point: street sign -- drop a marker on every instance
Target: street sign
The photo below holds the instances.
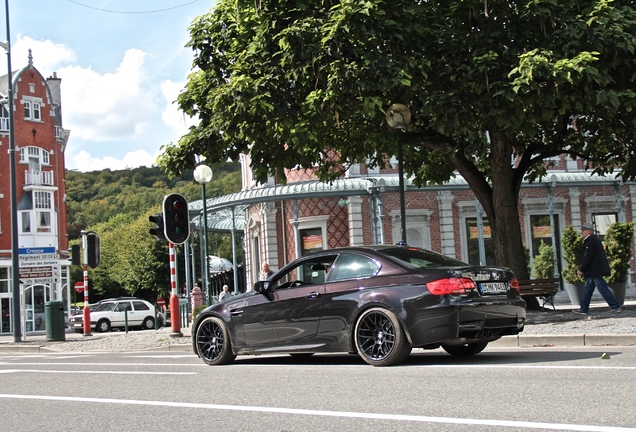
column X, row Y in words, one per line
column 41, row 272
column 161, row 302
column 79, row 286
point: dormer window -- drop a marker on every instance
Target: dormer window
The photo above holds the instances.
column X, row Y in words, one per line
column 32, row 110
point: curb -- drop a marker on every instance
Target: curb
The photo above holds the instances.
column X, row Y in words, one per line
column 581, row 340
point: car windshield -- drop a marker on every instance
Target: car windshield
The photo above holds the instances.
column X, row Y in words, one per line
column 420, row 258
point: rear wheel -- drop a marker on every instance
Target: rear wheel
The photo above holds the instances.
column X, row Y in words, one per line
column 465, row 350
column 148, row 324
column 379, row 338
column 213, row 343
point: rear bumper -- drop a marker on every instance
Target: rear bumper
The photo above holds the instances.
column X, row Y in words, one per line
column 463, row 323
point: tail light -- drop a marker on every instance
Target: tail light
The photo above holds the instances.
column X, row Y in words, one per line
column 453, row 285
column 514, row 284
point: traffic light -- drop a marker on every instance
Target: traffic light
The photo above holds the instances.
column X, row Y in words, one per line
column 76, row 256
column 175, row 218
column 158, row 229
column 93, row 249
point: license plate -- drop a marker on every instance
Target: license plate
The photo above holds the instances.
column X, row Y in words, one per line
column 494, row 287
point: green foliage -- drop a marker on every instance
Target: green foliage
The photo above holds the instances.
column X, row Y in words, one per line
column 307, row 83
column 116, row 205
column 572, row 249
column 618, row 247
column 197, row 310
column 543, row 262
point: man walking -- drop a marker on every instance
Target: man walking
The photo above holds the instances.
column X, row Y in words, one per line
column 594, row 266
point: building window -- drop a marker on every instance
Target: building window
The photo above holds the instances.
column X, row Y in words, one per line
column 472, row 242
column 602, row 221
column 26, row 222
column 44, row 221
column 541, row 231
column 32, row 111
column 35, row 157
column 42, row 200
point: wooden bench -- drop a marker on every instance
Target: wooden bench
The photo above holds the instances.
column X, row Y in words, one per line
column 544, row 289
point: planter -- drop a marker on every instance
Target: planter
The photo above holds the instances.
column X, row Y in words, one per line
column 619, row 291
column 575, row 292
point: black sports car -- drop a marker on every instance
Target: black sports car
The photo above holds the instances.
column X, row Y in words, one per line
column 377, row 301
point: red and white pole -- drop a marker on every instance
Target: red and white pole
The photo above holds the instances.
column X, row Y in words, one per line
column 175, row 313
column 87, row 309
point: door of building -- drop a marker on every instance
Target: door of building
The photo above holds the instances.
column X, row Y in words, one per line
column 35, row 297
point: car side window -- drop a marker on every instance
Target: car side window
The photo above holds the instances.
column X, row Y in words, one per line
column 123, row 306
column 353, row 266
column 138, row 305
column 313, row 271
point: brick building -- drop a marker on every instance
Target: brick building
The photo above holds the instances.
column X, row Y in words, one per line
column 39, row 141
column 281, row 222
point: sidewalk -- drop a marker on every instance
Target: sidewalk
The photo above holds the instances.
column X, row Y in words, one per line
column 546, row 328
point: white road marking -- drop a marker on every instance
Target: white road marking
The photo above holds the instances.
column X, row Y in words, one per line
column 343, row 414
column 92, row 372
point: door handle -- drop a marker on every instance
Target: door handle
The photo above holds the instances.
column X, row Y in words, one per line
column 313, row 295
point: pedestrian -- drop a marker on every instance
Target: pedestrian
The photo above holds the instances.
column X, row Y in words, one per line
column 594, row 266
column 225, row 294
column 265, row 272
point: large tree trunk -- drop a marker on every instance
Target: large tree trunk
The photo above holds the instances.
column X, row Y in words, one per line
column 499, row 199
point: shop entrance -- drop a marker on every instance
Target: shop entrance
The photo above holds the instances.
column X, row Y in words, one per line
column 35, row 297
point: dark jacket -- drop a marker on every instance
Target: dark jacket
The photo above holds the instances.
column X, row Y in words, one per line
column 594, row 261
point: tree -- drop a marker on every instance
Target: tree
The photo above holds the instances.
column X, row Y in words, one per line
column 495, row 89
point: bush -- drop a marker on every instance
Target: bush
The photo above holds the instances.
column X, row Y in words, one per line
column 197, row 310
column 543, row 262
column 618, row 247
column 572, row 250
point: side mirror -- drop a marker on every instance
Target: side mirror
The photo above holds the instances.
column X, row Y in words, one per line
column 261, row 286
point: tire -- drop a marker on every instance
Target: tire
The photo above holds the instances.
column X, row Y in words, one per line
column 103, row 326
column 79, row 331
column 380, row 339
column 213, row 342
column 465, row 350
column 148, row 324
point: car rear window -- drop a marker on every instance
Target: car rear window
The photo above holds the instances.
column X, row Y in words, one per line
column 420, row 258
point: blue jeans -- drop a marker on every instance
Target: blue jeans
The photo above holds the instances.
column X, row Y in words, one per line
column 608, row 295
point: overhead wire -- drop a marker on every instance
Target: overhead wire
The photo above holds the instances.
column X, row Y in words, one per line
column 132, row 12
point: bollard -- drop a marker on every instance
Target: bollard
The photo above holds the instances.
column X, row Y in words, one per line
column 126, row 320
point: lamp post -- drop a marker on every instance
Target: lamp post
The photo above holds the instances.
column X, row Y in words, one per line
column 398, row 116
column 202, row 175
column 15, row 263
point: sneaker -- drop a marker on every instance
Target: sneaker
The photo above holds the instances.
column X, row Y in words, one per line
column 617, row 310
column 579, row 311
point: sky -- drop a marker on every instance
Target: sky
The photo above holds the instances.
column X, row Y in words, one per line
column 122, row 64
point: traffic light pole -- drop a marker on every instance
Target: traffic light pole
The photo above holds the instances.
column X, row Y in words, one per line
column 87, row 309
column 175, row 313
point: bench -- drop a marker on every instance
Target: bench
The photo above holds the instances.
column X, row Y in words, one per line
column 545, row 289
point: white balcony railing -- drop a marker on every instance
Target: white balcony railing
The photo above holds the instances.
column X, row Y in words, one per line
column 33, row 177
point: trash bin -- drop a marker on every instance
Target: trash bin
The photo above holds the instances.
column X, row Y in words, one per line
column 54, row 321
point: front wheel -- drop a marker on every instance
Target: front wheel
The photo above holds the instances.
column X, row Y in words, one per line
column 213, row 342
column 465, row 350
column 379, row 338
column 103, row 326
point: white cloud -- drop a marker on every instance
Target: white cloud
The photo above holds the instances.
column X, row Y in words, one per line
column 47, row 55
column 83, row 161
column 104, row 107
column 172, row 117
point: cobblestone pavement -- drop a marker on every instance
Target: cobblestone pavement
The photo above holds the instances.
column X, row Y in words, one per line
column 546, row 327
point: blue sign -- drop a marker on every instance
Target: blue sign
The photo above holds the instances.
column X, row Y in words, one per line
column 36, row 250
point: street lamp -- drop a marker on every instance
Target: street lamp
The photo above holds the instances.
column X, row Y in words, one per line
column 202, row 175
column 15, row 263
column 398, row 116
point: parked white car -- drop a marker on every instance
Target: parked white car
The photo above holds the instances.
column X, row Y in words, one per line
column 113, row 313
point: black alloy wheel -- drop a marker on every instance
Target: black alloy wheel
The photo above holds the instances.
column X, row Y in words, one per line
column 379, row 338
column 212, row 342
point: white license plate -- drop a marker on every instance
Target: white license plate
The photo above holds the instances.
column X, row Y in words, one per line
column 494, row 287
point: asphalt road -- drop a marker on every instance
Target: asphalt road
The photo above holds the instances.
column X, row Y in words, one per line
column 502, row 389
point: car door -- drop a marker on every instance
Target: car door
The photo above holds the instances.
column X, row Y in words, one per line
column 289, row 311
column 122, row 312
